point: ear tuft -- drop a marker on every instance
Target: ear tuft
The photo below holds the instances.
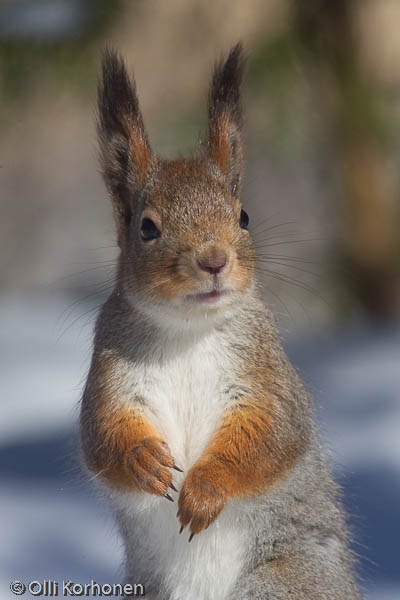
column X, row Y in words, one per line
column 225, row 117
column 125, row 153
column 117, row 100
column 225, row 86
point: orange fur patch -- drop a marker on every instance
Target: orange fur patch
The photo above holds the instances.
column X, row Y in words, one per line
column 140, row 152
column 243, row 458
column 220, row 150
column 128, row 453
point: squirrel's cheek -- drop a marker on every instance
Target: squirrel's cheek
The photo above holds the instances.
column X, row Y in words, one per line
column 241, row 277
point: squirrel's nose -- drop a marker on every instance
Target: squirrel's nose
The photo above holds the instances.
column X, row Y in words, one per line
column 213, row 261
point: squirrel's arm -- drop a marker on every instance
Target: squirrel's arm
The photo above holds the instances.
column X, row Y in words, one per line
column 255, row 445
column 121, row 447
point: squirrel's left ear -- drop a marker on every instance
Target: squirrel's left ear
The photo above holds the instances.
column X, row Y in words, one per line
column 225, row 118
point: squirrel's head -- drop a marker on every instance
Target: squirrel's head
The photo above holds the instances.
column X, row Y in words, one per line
column 182, row 231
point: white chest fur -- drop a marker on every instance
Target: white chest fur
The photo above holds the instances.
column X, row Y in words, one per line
column 184, row 399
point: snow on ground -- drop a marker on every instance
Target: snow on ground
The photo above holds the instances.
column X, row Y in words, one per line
column 54, row 525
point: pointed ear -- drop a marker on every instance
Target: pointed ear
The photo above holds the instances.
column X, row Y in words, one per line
column 225, row 118
column 125, row 154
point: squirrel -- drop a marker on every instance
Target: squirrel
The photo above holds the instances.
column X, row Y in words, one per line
column 192, row 417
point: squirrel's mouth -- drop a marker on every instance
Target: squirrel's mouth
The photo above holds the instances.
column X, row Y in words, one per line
column 211, row 297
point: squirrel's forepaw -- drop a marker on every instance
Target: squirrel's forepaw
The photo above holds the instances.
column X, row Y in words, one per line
column 149, row 464
column 201, row 499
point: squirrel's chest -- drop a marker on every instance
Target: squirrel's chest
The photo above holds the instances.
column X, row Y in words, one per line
column 185, row 399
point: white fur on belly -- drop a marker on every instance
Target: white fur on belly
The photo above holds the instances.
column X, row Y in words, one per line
column 159, row 556
column 184, row 400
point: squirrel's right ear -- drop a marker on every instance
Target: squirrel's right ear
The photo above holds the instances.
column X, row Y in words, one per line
column 125, row 153
column 224, row 144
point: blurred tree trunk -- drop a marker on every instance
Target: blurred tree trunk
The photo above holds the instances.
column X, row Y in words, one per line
column 363, row 153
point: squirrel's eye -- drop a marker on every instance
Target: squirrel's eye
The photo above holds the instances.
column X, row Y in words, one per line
column 149, row 230
column 244, row 219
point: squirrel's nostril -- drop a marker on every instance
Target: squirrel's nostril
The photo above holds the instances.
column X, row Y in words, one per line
column 213, row 262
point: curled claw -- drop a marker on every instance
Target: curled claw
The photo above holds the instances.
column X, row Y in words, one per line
column 177, row 468
column 168, row 497
column 171, row 485
column 191, row 536
column 181, row 529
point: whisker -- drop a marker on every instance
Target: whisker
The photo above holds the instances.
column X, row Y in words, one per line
column 275, row 294
column 255, row 231
column 91, row 310
column 289, row 259
column 287, row 266
column 266, row 219
column 83, row 272
column 298, row 241
column 300, row 284
column 296, row 300
column 68, row 311
column 114, row 247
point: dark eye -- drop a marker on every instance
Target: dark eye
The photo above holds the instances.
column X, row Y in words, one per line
column 149, row 230
column 244, row 219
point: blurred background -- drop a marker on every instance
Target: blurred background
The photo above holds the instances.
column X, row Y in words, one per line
column 322, row 99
